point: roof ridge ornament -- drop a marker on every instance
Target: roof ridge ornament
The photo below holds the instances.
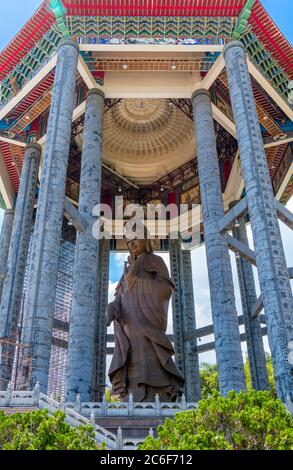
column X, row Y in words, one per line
column 243, row 19
column 60, row 12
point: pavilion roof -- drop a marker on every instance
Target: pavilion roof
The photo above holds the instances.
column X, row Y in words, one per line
column 261, row 23
column 43, row 21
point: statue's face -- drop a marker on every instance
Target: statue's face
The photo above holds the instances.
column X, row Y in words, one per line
column 136, row 246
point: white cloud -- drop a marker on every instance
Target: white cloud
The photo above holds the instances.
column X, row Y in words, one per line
column 112, row 287
column 120, row 258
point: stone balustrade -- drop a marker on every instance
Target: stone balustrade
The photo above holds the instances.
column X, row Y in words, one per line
column 81, row 413
column 87, row 409
column 35, row 399
column 130, row 408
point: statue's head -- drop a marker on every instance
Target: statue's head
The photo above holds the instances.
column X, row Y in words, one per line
column 137, row 247
column 140, row 244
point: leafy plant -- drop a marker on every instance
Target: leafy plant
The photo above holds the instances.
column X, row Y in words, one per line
column 240, row 421
column 37, row 430
column 209, row 378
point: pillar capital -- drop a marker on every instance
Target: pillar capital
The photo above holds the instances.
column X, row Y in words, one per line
column 9, row 212
column 201, row 91
column 233, row 44
column 95, row 91
column 37, row 147
column 68, row 42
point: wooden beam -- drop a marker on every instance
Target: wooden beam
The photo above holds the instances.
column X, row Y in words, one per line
column 86, row 74
column 285, row 182
column 211, row 346
column 224, row 121
column 265, row 84
column 6, row 187
column 153, row 48
column 240, row 248
column 72, row 214
column 278, row 142
column 12, row 141
column 213, row 73
column 28, row 87
column 257, row 307
column 284, row 215
column 238, row 211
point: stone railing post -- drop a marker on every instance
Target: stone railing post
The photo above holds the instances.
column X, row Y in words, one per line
column 36, row 398
column 93, row 419
column 8, row 394
column 130, row 405
column 183, row 403
column 104, row 406
column 62, row 404
column 119, row 439
column 157, row 406
column 77, row 403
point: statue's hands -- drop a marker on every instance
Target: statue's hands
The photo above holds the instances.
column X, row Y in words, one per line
column 113, row 312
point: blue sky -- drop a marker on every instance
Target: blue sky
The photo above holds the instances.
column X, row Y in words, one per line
column 15, row 13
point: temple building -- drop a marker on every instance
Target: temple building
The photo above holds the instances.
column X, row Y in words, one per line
column 172, row 102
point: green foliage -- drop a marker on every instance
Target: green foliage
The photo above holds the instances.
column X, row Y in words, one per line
column 37, row 430
column 110, row 398
column 209, row 378
column 243, row 421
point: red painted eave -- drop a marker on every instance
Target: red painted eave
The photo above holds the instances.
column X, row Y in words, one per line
column 11, row 168
column 272, row 38
column 42, row 20
column 27, row 37
column 154, row 7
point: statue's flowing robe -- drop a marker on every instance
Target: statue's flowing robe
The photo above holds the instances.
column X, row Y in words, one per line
column 142, row 360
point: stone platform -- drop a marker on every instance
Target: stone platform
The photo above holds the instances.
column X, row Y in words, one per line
column 132, row 427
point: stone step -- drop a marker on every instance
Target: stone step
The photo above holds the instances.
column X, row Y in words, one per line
column 14, row 409
column 131, row 427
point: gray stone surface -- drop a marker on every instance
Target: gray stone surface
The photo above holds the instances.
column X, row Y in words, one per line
column 177, row 302
column 184, row 323
column 73, row 216
column 192, row 378
column 4, row 244
column 241, row 248
column 40, row 299
column 227, row 339
column 16, row 264
column 270, row 258
column 101, row 322
column 255, row 348
column 82, row 347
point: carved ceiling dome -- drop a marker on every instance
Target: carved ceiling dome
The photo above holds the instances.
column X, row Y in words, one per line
column 145, row 131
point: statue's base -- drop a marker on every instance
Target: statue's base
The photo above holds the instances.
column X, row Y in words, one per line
column 132, row 427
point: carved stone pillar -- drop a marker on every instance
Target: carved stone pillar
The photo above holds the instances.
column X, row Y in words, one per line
column 82, row 346
column 226, row 330
column 40, row 298
column 269, row 252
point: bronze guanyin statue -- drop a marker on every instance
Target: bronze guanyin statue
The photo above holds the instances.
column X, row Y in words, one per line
column 142, row 363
